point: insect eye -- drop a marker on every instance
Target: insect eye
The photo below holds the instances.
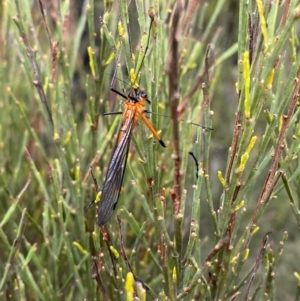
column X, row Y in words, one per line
column 144, row 95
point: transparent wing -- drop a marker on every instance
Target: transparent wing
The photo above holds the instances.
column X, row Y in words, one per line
column 115, row 173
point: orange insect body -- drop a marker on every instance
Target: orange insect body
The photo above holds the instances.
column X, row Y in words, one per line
column 134, row 110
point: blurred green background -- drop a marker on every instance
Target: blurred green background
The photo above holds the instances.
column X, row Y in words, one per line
column 46, row 169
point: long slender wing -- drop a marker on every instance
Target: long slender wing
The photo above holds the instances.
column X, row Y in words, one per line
column 115, row 173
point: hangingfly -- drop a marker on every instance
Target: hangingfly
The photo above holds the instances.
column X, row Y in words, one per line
column 134, row 109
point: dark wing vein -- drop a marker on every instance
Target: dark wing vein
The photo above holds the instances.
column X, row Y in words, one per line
column 114, row 176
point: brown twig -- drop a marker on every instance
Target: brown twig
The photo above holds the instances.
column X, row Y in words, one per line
column 53, row 44
column 162, row 248
column 232, row 298
column 233, row 148
column 107, row 240
column 96, row 275
column 232, row 220
column 37, row 79
column 217, row 248
column 172, row 71
column 206, row 103
column 94, row 161
column 197, row 84
column 191, row 9
column 253, row 28
column 287, row 5
column 271, row 179
column 188, row 96
column 123, row 253
column 257, row 263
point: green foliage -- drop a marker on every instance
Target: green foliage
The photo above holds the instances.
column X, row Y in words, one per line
column 174, row 236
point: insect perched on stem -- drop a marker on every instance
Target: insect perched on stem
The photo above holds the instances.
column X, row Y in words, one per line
column 134, row 110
